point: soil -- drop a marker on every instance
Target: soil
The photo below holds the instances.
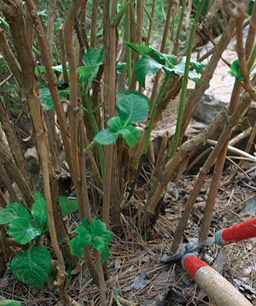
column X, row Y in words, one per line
column 135, row 268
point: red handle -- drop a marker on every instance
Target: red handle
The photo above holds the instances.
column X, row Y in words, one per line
column 212, row 283
column 191, row 263
column 241, row 231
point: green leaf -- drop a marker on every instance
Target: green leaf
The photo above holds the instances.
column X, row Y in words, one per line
column 92, row 60
column 197, row 66
column 20, row 225
column 32, row 266
column 93, row 56
column 23, row 231
column 141, row 49
column 88, row 73
column 39, row 70
column 120, row 67
column 145, row 50
column 170, row 59
column 63, row 93
column 67, row 206
column 131, row 135
column 82, row 240
column 132, row 106
column 205, row 8
column 159, row 57
column 193, row 76
column 10, row 303
column 12, row 212
column 115, row 124
column 250, row 7
column 96, row 234
column 101, row 238
column 179, row 69
column 39, row 211
column 118, row 127
column 106, row 137
column 152, row 61
column 145, row 66
column 236, row 71
column 46, row 97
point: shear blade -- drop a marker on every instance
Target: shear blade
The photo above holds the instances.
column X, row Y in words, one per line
column 167, row 259
column 191, row 247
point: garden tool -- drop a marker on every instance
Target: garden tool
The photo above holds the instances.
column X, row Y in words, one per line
column 209, row 280
column 241, row 231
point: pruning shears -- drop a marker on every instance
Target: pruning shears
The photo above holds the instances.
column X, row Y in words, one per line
column 222, row 292
column 241, row 231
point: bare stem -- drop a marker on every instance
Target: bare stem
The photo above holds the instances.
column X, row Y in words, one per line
column 231, row 122
column 51, row 79
column 94, row 23
column 73, row 106
column 177, row 39
column 14, row 144
column 176, row 139
column 235, row 100
column 151, row 20
column 109, row 97
column 194, row 99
